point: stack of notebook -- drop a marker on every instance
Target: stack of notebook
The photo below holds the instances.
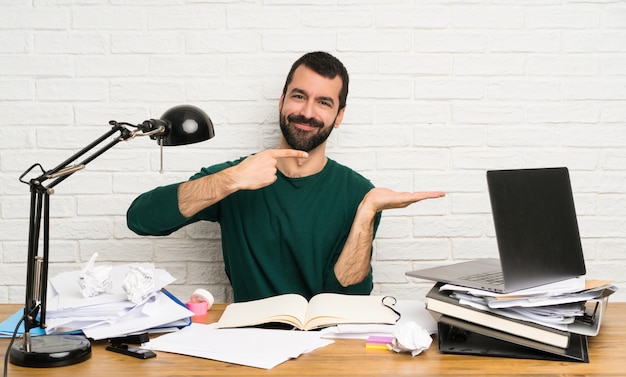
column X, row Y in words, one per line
column 539, row 245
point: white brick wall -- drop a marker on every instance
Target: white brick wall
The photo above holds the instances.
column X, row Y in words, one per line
column 441, row 91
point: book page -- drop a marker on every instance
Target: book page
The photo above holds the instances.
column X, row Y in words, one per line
column 328, row 309
column 289, row 309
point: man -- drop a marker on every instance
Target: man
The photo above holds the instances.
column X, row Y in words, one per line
column 292, row 220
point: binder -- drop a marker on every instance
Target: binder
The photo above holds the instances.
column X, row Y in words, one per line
column 456, row 336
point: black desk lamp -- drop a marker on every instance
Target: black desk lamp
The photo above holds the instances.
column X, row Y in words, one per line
column 178, row 126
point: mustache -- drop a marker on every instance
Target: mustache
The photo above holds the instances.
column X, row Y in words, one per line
column 301, row 119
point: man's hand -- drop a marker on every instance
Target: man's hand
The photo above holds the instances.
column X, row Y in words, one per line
column 379, row 199
column 259, row 170
column 252, row 173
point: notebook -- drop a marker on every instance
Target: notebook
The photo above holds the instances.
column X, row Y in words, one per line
column 536, row 231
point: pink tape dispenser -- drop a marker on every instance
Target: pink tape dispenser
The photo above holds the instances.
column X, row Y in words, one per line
column 200, row 302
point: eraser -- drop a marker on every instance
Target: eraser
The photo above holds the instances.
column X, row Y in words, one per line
column 198, row 308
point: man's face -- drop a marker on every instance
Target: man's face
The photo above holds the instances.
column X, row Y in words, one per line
column 309, row 110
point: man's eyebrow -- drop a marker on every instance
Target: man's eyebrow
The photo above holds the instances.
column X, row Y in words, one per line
column 327, row 99
column 321, row 98
column 298, row 90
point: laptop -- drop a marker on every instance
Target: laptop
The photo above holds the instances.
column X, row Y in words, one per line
column 536, row 230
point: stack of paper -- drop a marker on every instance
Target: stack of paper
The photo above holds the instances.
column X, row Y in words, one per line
column 109, row 315
column 548, row 305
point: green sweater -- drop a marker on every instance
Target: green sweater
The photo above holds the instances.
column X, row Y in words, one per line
column 283, row 238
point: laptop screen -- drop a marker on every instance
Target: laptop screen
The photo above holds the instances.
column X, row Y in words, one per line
column 536, row 225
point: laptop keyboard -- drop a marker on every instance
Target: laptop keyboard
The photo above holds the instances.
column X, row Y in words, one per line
column 494, row 277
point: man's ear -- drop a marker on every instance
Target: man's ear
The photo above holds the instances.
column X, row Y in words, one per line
column 339, row 117
column 280, row 102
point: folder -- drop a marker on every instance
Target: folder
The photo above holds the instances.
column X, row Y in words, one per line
column 7, row 327
column 456, row 336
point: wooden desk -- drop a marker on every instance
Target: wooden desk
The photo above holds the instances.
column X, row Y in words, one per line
column 349, row 357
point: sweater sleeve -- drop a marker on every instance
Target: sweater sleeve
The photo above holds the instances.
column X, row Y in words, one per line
column 156, row 213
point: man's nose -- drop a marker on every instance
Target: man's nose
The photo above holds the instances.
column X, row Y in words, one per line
column 308, row 110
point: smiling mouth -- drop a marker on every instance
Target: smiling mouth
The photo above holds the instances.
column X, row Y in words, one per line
column 304, row 126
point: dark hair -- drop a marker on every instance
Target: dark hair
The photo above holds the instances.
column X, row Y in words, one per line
column 325, row 65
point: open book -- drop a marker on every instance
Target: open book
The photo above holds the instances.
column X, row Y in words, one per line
column 323, row 310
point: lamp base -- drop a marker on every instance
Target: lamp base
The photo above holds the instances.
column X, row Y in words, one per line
column 48, row 351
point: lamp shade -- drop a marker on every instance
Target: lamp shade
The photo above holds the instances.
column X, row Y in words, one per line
column 186, row 125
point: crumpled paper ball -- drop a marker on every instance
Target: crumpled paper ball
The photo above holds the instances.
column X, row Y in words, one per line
column 139, row 284
column 410, row 337
column 94, row 280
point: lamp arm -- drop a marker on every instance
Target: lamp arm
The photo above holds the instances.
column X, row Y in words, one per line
column 64, row 169
column 37, row 266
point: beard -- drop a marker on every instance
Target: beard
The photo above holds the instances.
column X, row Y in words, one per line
column 304, row 140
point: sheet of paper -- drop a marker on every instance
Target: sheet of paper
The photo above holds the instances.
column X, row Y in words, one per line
column 109, row 310
column 153, row 313
column 260, row 348
column 560, row 287
column 415, row 311
column 542, row 300
column 356, row 331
